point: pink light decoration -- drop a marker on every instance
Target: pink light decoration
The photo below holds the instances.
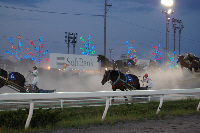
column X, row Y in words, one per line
column 30, row 53
column 42, row 46
column 47, row 59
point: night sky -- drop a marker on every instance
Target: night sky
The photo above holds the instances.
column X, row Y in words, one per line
column 126, row 20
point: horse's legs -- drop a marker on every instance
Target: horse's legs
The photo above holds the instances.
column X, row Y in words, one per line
column 126, row 99
column 113, row 90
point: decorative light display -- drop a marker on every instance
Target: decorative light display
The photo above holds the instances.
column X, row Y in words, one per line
column 172, row 62
column 157, row 54
column 88, row 50
column 38, row 57
column 130, row 50
column 17, row 54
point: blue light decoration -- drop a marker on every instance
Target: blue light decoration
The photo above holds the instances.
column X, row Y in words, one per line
column 129, row 64
column 17, row 55
column 172, row 63
column 157, row 54
column 88, row 50
column 38, row 57
column 130, row 50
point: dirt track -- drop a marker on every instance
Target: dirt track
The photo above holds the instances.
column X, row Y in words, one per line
column 170, row 124
column 184, row 124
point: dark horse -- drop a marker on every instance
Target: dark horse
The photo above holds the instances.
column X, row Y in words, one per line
column 18, row 80
column 121, row 81
column 104, row 61
column 124, row 66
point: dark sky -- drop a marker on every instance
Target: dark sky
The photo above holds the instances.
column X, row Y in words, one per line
column 126, row 20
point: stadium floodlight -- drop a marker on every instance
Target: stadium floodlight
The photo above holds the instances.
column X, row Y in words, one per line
column 167, row 3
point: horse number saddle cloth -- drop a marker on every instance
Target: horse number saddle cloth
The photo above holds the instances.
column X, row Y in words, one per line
column 11, row 76
column 128, row 77
column 129, row 63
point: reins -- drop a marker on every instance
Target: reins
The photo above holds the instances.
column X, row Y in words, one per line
column 119, row 79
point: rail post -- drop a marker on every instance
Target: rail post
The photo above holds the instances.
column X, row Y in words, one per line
column 61, row 103
column 160, row 105
column 198, row 107
column 106, row 108
column 30, row 114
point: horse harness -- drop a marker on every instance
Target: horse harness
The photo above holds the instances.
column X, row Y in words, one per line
column 10, row 76
column 11, row 83
column 127, row 85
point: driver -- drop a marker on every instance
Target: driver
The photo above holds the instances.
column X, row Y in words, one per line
column 148, row 81
column 35, row 80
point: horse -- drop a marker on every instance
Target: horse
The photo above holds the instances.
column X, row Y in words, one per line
column 7, row 78
column 190, row 57
column 193, row 60
column 121, row 81
column 188, row 62
column 104, row 61
column 183, row 63
column 124, row 66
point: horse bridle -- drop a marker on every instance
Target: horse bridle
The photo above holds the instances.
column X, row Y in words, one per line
column 108, row 77
column 118, row 78
column 121, row 80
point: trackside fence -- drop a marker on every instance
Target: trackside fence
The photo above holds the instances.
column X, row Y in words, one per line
column 101, row 98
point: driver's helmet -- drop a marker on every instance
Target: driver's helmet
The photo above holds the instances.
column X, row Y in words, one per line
column 35, row 67
column 146, row 74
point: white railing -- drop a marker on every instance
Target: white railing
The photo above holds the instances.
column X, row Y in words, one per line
column 107, row 95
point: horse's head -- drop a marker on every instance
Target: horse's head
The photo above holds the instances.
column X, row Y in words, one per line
column 106, row 77
column 100, row 58
column 180, row 58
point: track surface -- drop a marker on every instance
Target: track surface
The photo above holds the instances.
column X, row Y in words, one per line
column 170, row 124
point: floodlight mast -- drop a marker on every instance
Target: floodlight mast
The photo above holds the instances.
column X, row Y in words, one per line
column 168, row 4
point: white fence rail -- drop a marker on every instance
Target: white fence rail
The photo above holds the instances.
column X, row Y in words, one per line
column 107, row 95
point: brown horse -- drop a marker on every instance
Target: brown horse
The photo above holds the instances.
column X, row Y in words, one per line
column 188, row 63
column 121, row 81
column 18, row 81
column 193, row 60
column 183, row 63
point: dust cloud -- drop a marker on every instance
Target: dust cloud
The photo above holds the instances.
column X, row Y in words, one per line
column 177, row 78
column 83, row 82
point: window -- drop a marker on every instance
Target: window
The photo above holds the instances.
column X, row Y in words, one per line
column 60, row 58
column 58, row 63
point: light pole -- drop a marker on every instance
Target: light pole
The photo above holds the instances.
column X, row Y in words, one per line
column 71, row 38
column 168, row 4
column 105, row 26
column 110, row 52
column 180, row 28
column 174, row 27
